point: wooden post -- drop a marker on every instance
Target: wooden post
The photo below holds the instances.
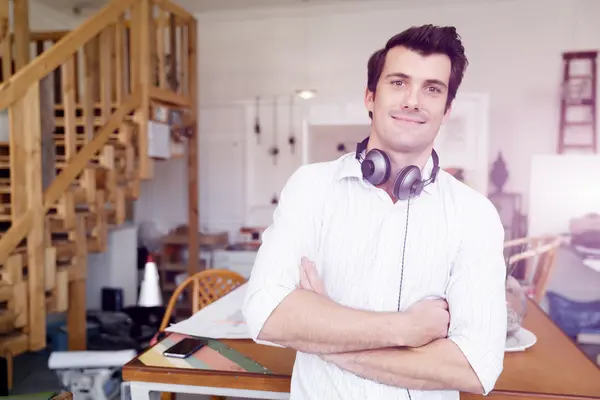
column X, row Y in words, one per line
column 26, row 163
column 76, row 324
column 192, row 161
column 5, row 45
column 145, row 79
column 48, row 122
column 21, row 29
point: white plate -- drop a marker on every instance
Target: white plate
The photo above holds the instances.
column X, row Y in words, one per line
column 520, row 341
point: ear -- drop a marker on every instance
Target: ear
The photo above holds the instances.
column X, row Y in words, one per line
column 369, row 98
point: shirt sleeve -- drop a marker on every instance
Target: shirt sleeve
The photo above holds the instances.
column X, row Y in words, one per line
column 476, row 294
column 292, row 234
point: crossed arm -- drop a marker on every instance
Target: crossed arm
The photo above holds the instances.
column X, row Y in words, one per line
column 439, row 365
column 375, row 346
column 285, row 307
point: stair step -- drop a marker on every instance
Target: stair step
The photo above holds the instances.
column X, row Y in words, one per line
column 80, row 139
column 5, row 186
column 5, row 215
column 79, row 121
column 62, row 165
column 78, row 106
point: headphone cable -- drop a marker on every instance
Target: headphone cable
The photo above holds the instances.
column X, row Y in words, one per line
column 402, row 266
column 403, row 253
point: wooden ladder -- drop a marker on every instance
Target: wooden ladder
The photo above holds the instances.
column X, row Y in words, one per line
column 577, row 129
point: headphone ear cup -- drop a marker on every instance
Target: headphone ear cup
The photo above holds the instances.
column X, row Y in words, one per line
column 408, row 182
column 376, row 167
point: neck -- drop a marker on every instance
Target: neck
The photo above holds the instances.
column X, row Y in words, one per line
column 399, row 160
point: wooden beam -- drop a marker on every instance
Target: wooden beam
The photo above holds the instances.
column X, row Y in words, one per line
column 35, row 238
column 192, row 159
column 5, row 42
column 43, row 36
column 17, row 85
column 69, row 94
column 18, row 160
column 120, row 65
column 169, row 97
column 47, row 36
column 21, row 29
column 4, row 20
column 145, row 77
column 76, row 325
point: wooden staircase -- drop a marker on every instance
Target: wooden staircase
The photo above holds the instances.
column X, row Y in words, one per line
column 79, row 113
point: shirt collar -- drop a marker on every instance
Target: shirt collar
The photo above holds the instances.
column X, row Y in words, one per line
column 350, row 168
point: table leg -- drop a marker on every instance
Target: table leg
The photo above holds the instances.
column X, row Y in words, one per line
column 139, row 391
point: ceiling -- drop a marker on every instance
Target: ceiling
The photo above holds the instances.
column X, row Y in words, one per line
column 194, row 6
column 214, row 5
column 200, row 6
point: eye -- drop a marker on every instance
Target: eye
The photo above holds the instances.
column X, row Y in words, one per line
column 398, row 82
column 433, row 90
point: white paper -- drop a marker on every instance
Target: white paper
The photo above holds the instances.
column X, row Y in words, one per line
column 222, row 319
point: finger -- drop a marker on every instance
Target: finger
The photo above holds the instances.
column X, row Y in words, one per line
column 435, row 303
column 304, row 282
column 305, row 261
column 315, row 280
column 439, row 303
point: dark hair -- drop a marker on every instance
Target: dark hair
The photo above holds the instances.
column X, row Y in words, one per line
column 426, row 40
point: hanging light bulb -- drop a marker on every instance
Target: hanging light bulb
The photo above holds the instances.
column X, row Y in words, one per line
column 306, row 93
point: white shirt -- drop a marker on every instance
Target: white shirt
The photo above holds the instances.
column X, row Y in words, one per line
column 354, row 233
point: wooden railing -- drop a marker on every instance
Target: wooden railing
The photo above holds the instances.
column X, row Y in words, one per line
column 111, row 72
column 39, row 42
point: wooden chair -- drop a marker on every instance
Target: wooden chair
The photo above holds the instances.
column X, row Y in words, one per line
column 522, row 252
column 540, row 256
column 207, row 287
column 63, row 396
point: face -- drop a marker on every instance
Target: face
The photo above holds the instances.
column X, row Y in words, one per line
column 410, row 101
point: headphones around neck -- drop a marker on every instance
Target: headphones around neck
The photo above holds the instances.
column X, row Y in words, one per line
column 376, row 168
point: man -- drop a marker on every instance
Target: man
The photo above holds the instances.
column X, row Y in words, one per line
column 387, row 291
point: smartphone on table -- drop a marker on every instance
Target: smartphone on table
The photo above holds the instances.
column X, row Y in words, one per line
column 185, row 348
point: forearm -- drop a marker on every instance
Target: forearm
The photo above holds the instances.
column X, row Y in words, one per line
column 439, row 365
column 312, row 323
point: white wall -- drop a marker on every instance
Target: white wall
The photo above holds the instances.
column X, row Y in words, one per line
column 42, row 17
column 514, row 48
column 562, row 188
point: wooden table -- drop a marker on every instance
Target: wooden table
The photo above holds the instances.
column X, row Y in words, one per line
column 553, row 368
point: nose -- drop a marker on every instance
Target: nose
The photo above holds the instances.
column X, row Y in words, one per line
column 411, row 100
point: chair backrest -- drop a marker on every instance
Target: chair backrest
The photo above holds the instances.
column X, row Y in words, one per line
column 540, row 256
column 207, row 287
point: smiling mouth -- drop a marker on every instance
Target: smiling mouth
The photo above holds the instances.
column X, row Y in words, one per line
column 409, row 120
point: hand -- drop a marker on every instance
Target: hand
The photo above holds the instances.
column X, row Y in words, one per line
column 429, row 320
column 310, row 279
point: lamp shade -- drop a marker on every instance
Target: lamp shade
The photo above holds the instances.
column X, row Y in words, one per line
column 150, row 294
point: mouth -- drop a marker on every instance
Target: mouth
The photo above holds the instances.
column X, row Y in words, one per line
column 408, row 120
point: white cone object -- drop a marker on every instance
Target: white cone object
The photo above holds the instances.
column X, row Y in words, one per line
column 150, row 294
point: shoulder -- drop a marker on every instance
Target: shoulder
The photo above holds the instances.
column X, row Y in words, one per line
column 473, row 208
column 307, row 188
column 315, row 177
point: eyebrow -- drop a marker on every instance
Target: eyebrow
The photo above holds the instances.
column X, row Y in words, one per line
column 427, row 81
